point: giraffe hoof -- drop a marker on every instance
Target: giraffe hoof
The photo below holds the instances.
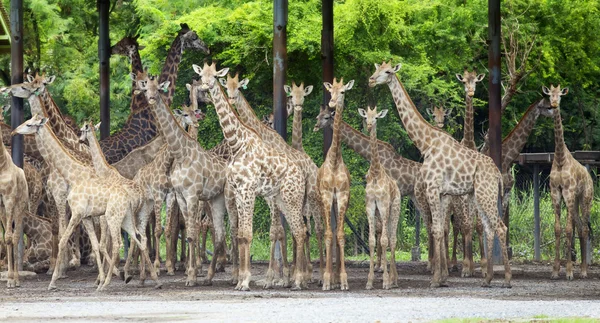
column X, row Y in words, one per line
column 170, row 273
column 506, row 285
column 583, row 275
column 52, row 287
column 369, row 286
column 190, row 283
column 158, row 286
column 435, row 285
column 454, row 269
column 570, row 277
column 11, row 284
column 295, row 288
column 554, row 276
column 207, row 282
column 128, row 279
column 486, row 284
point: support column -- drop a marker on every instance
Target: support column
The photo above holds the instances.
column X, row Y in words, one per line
column 16, row 110
column 495, row 132
column 104, row 56
column 536, row 213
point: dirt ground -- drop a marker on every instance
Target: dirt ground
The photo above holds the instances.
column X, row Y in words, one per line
column 533, row 294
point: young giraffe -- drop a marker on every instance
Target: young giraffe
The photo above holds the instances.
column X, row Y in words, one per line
column 570, row 181
column 382, row 194
column 141, row 126
column 196, row 175
column 333, row 185
column 296, row 96
column 312, row 206
column 89, row 196
column 14, row 195
column 439, row 115
column 449, row 169
column 142, row 204
column 257, row 168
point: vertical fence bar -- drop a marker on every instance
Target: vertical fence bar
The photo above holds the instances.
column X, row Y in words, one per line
column 16, row 110
column 536, row 212
column 104, row 57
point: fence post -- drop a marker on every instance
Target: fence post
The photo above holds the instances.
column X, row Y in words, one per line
column 416, row 250
column 536, row 211
column 589, row 239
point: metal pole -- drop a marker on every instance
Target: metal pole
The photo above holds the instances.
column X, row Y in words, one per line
column 495, row 132
column 416, row 249
column 280, row 17
column 16, row 110
column 589, row 239
column 327, row 67
column 536, row 212
column 104, row 56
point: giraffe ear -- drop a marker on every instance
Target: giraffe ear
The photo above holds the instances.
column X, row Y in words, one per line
column 141, row 47
column 308, row 90
column 243, row 83
column 460, row 77
column 164, row 86
column 377, row 66
column 397, row 67
column 564, row 91
column 545, row 90
column 382, row 114
column 429, row 112
column 480, row 77
column 137, row 92
column 133, row 76
column 188, row 86
column 178, row 112
column 448, row 112
column 29, row 78
column 328, row 86
column 50, row 79
column 197, row 69
column 349, row 85
column 222, row 72
column 362, row 112
column 223, row 82
column 97, row 126
column 43, row 121
column 287, row 89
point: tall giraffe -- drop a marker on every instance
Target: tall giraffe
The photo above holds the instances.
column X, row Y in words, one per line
column 296, row 96
column 141, row 126
column 196, row 175
column 90, row 196
column 449, row 169
column 333, row 185
column 382, row 195
column 14, row 203
column 257, row 168
column 312, row 206
column 570, row 181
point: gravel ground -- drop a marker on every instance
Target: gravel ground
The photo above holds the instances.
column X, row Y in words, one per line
column 532, row 294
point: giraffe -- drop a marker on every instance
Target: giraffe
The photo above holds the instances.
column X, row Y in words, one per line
column 256, row 168
column 448, row 169
column 141, row 125
column 89, row 196
column 333, row 185
column 296, row 96
column 382, row 194
column 439, row 115
column 569, row 180
column 309, row 169
column 196, row 175
column 13, row 205
column 139, row 157
column 134, row 191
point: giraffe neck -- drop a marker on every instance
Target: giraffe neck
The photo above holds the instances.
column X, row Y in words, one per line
column 335, row 154
column 176, row 138
column 56, row 121
column 560, row 149
column 171, row 68
column 469, row 131
column 246, row 114
column 137, row 101
column 234, row 132
column 192, row 131
column 101, row 167
column 375, row 163
column 53, row 152
column 419, row 130
column 517, row 138
column 4, row 155
column 297, row 130
column 355, row 140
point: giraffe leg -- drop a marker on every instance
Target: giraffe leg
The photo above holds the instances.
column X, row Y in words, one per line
column 570, row 201
column 327, row 199
column 190, row 212
column 484, row 260
column 62, row 247
column 217, row 210
column 290, row 202
column 466, row 227
column 385, row 216
column 170, row 234
column 395, row 213
column 158, row 230
column 89, row 227
column 378, row 226
column 371, row 205
column 586, row 205
column 437, row 228
column 274, row 233
column 115, row 230
column 556, row 199
column 317, row 215
column 232, row 212
column 245, row 198
column 342, row 202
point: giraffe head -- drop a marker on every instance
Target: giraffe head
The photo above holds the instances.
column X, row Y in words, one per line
column 324, row 119
column 555, row 93
column 149, row 86
column 383, row 73
column 31, row 126
column 87, row 129
column 439, row 115
column 232, row 86
column 269, row 120
column 126, row 46
column 189, row 116
column 4, row 109
column 209, row 74
column 190, row 39
column 33, row 86
column 196, row 94
column 371, row 116
column 338, row 91
column 297, row 94
column 470, row 80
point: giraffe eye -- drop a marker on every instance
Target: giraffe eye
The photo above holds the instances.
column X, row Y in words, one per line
column 388, row 72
